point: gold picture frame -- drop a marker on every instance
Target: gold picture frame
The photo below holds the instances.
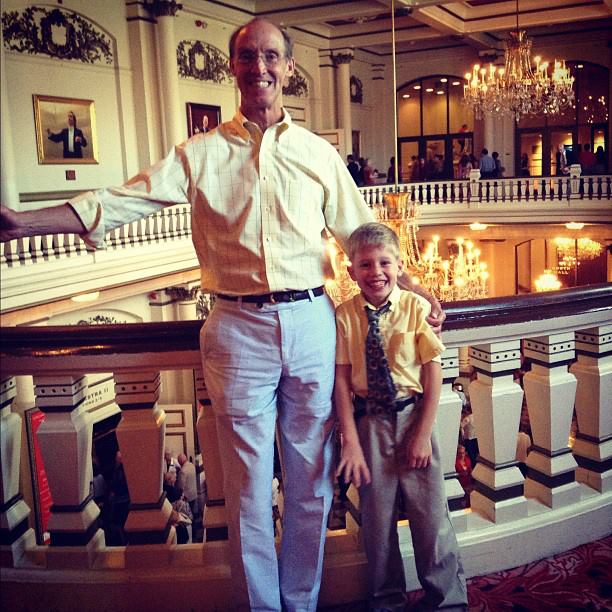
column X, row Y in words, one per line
column 56, row 143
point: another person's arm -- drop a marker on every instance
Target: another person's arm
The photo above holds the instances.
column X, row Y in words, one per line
column 352, row 462
column 418, row 450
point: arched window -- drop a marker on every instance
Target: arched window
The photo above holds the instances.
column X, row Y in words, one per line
column 434, row 127
column 586, row 122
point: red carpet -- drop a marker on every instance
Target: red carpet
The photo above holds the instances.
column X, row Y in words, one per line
column 579, row 579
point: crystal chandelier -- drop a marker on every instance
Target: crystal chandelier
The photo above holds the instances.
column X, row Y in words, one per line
column 461, row 277
column 517, row 89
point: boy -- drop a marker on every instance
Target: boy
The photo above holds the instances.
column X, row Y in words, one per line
column 388, row 435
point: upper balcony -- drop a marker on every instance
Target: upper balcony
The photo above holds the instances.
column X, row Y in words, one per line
column 61, row 266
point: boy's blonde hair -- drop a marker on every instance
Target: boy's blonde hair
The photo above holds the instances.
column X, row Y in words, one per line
column 373, row 234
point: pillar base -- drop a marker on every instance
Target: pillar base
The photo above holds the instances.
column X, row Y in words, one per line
column 504, row 511
column 214, row 520
column 601, row 482
column 75, row 527
column 148, row 525
column 139, row 556
column 76, row 557
column 11, row 555
column 555, row 498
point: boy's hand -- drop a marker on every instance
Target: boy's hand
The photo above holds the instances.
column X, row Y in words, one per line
column 353, row 465
column 418, row 452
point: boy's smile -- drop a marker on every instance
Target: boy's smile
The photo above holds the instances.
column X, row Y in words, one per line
column 375, row 269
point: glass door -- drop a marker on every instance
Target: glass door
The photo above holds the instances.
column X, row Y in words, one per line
column 560, row 145
column 410, row 166
column 530, row 154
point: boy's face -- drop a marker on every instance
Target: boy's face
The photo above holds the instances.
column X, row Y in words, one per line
column 375, row 269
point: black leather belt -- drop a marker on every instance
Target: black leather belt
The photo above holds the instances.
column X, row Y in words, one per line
column 275, row 297
column 364, row 406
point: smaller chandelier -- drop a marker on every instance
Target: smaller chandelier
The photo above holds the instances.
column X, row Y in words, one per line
column 570, row 252
column 517, row 89
column 547, row 281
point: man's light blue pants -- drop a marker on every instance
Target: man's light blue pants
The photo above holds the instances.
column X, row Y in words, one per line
column 262, row 363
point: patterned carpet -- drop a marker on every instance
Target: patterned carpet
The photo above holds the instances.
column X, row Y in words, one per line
column 579, row 579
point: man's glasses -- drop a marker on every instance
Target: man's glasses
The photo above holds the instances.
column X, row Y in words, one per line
column 269, row 58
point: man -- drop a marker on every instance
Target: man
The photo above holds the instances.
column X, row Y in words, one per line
column 353, row 168
column 263, row 192
column 187, row 481
column 72, row 138
column 487, row 165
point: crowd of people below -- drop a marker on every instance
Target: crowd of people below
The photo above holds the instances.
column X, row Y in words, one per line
column 434, row 167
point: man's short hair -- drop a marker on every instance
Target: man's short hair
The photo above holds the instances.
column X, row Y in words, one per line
column 286, row 37
column 373, row 235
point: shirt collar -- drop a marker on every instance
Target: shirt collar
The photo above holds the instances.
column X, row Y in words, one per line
column 394, row 298
column 244, row 127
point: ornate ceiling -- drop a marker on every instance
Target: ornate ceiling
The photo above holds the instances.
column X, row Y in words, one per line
column 428, row 24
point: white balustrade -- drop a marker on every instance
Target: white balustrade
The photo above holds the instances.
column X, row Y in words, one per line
column 550, row 391
column 593, row 371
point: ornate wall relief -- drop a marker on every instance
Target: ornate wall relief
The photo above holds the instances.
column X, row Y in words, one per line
column 297, row 85
column 199, row 60
column 56, row 33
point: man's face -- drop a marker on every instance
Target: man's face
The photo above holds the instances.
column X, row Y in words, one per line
column 375, row 269
column 260, row 67
column 70, row 119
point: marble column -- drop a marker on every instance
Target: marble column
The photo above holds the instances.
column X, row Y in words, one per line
column 15, row 533
column 174, row 116
column 327, row 107
column 65, row 440
column 550, row 391
column 496, row 405
column 448, row 421
column 342, row 60
column 593, row 370
column 214, row 518
column 141, row 441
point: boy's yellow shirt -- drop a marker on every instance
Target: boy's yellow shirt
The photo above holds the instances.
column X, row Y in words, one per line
column 408, row 340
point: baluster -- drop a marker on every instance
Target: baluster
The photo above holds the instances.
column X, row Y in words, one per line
column 214, row 519
column 36, row 246
column 15, row 534
column 496, row 404
column 141, row 435
column 550, row 391
column 65, row 440
column 448, row 419
column 574, row 182
column 23, row 248
column 133, row 233
column 593, row 445
column 11, row 252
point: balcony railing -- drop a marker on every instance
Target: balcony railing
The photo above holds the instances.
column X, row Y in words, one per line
column 61, row 266
column 552, row 352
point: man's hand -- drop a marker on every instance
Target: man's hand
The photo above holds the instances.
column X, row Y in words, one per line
column 59, row 219
column 436, row 316
column 9, row 224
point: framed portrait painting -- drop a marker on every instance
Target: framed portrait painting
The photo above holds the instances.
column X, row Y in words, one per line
column 202, row 118
column 65, row 130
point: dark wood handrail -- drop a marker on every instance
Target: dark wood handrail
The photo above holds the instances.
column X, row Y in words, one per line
column 131, row 338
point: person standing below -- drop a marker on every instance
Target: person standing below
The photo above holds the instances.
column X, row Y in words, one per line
column 353, row 168
column 72, row 138
column 587, row 159
column 386, row 357
column 487, row 165
column 499, row 169
column 187, row 482
column 368, row 173
column 260, row 247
